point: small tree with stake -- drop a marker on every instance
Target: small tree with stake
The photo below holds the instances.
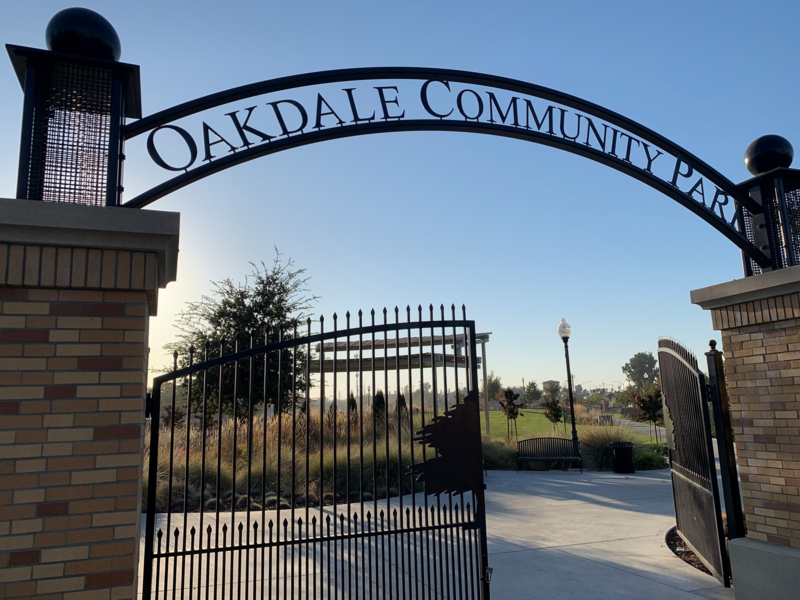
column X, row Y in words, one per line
column 511, row 410
column 648, row 400
column 553, row 411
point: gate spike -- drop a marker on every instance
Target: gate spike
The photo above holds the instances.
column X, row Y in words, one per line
column 255, row 525
column 322, row 318
column 209, row 530
column 453, row 309
column 241, row 527
column 175, row 359
column 373, row 313
column 441, row 309
column 464, row 311
column 384, row 313
column 430, row 309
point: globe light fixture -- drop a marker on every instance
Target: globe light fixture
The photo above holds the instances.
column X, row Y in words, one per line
column 564, row 329
column 564, row 332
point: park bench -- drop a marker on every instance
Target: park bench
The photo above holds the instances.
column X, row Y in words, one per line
column 548, row 450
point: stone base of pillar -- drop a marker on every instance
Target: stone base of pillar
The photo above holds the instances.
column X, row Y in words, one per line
column 77, row 285
column 762, row 570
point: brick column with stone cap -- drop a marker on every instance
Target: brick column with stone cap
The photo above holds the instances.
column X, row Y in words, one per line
column 759, row 321
column 77, row 285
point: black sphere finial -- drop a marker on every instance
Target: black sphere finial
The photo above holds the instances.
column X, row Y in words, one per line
column 713, row 344
column 768, row 152
column 83, row 32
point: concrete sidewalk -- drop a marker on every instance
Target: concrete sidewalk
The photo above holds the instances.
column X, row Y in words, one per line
column 555, row 534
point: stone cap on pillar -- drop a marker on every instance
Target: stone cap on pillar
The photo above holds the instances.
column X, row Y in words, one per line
column 769, row 297
column 75, row 246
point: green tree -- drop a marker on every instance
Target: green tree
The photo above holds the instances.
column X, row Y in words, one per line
column 594, row 400
column 511, row 410
column 648, row 400
column 273, row 300
column 532, row 395
column 379, row 413
column 402, row 408
column 552, row 390
column 553, row 411
column 622, row 398
column 493, row 384
column 641, row 364
column 352, row 405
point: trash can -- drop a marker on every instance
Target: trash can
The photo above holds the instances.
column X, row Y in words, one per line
column 623, row 457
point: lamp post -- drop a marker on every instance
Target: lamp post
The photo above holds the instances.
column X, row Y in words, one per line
column 564, row 331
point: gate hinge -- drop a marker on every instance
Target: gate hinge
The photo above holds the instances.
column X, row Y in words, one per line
column 148, row 407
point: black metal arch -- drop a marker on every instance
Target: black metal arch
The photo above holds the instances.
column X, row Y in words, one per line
column 414, row 73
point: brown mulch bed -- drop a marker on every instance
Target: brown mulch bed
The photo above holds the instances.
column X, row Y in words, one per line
column 682, row 551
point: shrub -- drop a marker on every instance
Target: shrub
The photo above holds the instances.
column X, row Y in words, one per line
column 596, row 441
column 646, row 461
column 500, row 455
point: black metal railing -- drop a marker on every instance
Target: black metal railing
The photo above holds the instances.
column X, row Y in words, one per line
column 265, row 482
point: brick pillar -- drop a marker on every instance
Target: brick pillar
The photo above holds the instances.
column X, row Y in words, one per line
column 77, row 285
column 759, row 322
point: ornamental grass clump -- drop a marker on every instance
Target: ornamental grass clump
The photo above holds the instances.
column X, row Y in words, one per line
column 596, row 441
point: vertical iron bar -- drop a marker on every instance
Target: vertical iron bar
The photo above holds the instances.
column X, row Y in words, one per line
column 224, row 556
column 308, row 438
column 412, row 458
column 251, row 375
column 219, row 470
column 186, row 471
column 239, row 564
column 727, row 456
column 208, row 563
column 174, row 568
column 255, row 557
column 278, row 497
column 335, row 453
column 203, row 422
column 480, row 501
column 152, row 483
column 115, row 144
column 321, row 491
column 285, row 556
column 269, row 564
column 386, row 444
column 349, row 421
column 459, row 540
column 265, row 397
column 23, row 171
column 397, row 550
column 293, row 500
column 234, row 446
column 169, row 474
column 788, row 240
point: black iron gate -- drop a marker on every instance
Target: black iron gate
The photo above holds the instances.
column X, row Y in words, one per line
column 691, row 453
column 335, row 464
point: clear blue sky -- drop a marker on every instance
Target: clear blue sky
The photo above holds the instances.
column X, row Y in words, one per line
column 522, row 234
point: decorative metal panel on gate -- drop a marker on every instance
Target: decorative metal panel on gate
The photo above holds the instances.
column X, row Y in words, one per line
column 341, row 463
column 691, row 457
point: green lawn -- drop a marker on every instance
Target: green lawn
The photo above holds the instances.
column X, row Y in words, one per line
column 532, row 423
